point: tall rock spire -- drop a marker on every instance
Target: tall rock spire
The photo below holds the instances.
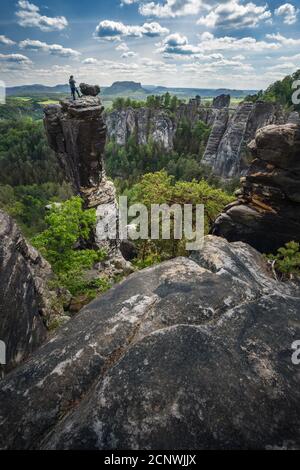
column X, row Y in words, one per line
column 77, row 133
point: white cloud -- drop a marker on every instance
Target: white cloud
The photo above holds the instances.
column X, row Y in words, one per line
column 284, row 41
column 112, row 30
column 211, row 43
column 29, row 16
column 122, row 47
column 171, row 8
column 284, row 67
column 128, row 2
column 129, row 55
column 90, row 61
column 15, row 59
column 234, row 15
column 295, row 57
column 53, row 49
column 289, row 13
column 6, row 41
column 179, row 45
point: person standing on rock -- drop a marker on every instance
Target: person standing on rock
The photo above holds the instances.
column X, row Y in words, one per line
column 73, row 87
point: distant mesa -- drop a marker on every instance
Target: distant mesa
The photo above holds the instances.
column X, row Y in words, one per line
column 89, row 90
column 124, row 88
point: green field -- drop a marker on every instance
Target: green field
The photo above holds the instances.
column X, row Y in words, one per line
column 46, row 102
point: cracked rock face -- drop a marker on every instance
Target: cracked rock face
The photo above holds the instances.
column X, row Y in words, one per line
column 232, row 129
column 77, row 134
column 267, row 212
column 159, row 362
column 226, row 148
column 26, row 304
column 144, row 124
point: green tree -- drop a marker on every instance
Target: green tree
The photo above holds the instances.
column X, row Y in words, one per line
column 160, row 188
column 67, row 225
column 287, row 260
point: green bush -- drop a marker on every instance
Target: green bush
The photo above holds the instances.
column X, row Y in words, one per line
column 287, row 260
column 160, row 188
column 68, row 224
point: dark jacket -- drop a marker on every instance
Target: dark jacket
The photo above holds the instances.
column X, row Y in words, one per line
column 72, row 83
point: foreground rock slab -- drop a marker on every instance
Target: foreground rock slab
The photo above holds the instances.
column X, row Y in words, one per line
column 267, row 212
column 191, row 354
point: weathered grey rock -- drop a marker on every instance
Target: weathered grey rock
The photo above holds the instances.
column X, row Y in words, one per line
column 218, row 130
column 222, row 101
column 232, row 129
column 160, row 363
column 89, row 90
column 226, row 150
column 267, row 212
column 294, row 118
column 143, row 124
column 27, row 305
column 77, row 133
column 146, row 124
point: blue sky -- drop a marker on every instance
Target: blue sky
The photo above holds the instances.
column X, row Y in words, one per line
column 201, row 43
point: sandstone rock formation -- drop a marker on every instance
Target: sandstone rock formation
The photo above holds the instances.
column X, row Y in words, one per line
column 143, row 124
column 77, row 133
column 225, row 152
column 27, row 305
column 267, row 212
column 159, row 362
column 222, row 101
column 232, row 129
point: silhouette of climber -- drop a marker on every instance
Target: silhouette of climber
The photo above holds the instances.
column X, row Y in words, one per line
column 73, row 87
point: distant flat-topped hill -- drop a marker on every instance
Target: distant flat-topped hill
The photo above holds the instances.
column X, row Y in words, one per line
column 124, row 88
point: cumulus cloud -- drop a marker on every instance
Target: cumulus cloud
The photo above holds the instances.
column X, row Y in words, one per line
column 29, row 16
column 122, row 47
column 289, row 13
column 234, row 15
column 129, row 55
column 284, row 41
column 53, row 49
column 6, row 41
column 171, row 8
column 15, row 59
column 113, row 30
column 90, row 61
column 179, row 44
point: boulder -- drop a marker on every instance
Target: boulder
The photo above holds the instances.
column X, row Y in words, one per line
column 267, row 212
column 27, row 305
column 159, row 362
column 89, row 90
